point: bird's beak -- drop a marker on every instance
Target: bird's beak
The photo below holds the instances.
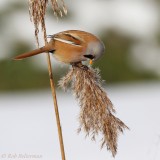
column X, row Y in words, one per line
column 91, row 62
column 90, row 57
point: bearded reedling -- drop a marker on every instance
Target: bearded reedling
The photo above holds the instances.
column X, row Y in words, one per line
column 96, row 109
column 70, row 47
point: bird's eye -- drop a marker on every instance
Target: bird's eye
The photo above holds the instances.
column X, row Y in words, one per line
column 90, row 56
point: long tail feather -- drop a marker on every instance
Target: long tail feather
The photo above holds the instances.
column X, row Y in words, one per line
column 31, row 53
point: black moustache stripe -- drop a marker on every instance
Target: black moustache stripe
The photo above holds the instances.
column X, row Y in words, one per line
column 90, row 56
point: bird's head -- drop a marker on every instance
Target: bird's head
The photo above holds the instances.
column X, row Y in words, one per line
column 94, row 51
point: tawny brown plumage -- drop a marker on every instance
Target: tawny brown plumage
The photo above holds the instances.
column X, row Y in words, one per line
column 70, row 46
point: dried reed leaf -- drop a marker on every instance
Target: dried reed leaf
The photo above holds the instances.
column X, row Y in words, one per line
column 37, row 11
column 96, row 109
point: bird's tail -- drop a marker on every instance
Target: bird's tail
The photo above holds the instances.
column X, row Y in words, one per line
column 32, row 53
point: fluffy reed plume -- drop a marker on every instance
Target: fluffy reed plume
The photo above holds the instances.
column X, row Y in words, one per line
column 96, row 109
column 37, row 11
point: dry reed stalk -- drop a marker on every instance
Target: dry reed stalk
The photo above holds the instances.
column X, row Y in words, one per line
column 37, row 11
column 96, row 109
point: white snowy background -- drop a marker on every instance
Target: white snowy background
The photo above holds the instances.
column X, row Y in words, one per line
column 28, row 126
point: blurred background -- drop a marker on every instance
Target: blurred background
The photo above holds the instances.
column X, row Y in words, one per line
column 130, row 67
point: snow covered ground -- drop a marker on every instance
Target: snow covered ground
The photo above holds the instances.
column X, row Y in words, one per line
column 28, row 127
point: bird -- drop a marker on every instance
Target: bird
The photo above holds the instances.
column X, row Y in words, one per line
column 70, row 46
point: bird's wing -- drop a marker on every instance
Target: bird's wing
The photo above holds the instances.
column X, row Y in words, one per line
column 68, row 38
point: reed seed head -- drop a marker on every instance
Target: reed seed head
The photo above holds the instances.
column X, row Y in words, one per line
column 96, row 110
column 37, row 11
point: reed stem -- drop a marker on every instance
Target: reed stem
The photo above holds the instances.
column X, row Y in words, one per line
column 56, row 107
column 37, row 11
